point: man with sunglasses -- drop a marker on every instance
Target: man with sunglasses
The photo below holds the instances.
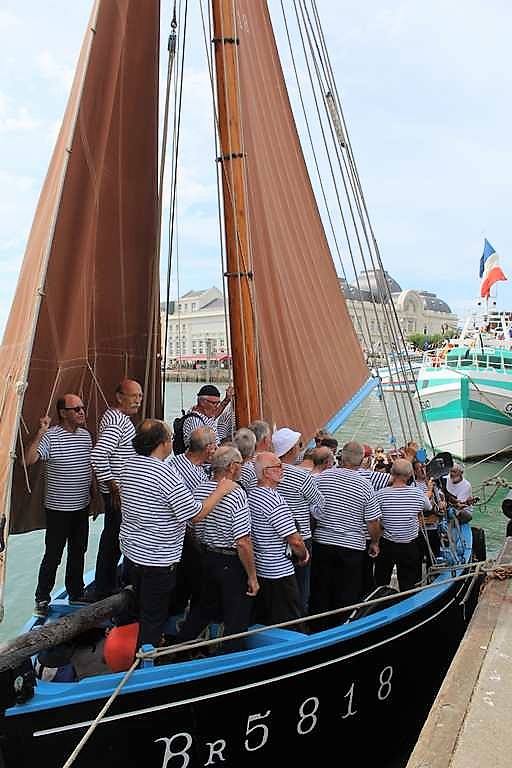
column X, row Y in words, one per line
column 65, row 450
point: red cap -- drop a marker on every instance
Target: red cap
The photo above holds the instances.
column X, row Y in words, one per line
column 120, row 647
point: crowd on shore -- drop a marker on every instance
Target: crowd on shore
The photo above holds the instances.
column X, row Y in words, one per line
column 231, row 526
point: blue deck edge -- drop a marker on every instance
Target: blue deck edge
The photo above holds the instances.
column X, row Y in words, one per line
column 362, row 393
column 51, row 695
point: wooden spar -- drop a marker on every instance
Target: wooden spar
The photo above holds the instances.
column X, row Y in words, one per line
column 49, row 635
column 239, row 274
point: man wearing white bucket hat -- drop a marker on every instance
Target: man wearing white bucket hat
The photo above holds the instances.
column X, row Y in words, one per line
column 300, row 491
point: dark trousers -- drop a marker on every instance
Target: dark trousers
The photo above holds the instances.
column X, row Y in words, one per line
column 278, row 600
column 223, row 597
column 336, row 581
column 71, row 528
column 189, row 576
column 303, row 576
column 152, row 587
column 406, row 557
column 105, row 579
column 368, row 572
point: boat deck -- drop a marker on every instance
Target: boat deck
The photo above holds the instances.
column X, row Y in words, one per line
column 469, row 723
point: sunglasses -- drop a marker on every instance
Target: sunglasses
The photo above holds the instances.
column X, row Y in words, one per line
column 75, row 408
column 274, row 466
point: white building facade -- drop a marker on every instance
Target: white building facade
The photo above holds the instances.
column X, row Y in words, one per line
column 196, row 326
column 197, row 323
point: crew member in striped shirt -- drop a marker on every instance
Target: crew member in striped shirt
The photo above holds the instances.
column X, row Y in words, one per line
column 230, row 579
column 275, row 539
column 300, row 491
column 113, row 448
column 323, row 458
column 245, row 441
column 401, row 504
column 206, row 411
column 156, row 506
column 65, row 450
column 339, row 535
column 263, row 435
column 191, row 468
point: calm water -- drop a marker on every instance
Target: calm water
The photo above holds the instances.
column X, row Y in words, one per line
column 367, row 425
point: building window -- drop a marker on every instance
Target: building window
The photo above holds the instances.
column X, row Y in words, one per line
column 194, row 307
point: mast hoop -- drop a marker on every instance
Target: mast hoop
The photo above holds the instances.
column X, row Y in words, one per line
column 226, row 40
column 231, row 156
column 250, row 275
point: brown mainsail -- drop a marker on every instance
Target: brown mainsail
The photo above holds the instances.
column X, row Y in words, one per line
column 83, row 316
column 310, row 358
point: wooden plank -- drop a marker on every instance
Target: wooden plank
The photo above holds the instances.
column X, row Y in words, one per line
column 440, row 735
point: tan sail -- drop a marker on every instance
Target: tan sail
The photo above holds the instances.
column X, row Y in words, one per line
column 83, row 315
column 311, row 360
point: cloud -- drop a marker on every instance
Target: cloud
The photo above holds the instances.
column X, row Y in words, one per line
column 8, row 20
column 15, row 119
column 52, row 70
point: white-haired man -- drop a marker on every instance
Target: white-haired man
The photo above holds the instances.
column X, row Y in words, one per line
column 273, row 528
column 229, row 578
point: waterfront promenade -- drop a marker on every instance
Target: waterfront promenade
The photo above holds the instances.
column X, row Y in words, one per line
column 469, row 723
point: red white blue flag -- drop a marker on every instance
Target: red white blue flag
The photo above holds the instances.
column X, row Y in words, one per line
column 490, row 270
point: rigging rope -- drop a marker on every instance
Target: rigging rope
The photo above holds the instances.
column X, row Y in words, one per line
column 388, row 309
column 405, row 426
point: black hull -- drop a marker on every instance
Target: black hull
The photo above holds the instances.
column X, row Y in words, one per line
column 364, row 695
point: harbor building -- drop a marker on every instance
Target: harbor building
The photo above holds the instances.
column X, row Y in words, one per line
column 197, row 326
column 417, row 311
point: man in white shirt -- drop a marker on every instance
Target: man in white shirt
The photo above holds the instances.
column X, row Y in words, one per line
column 460, row 489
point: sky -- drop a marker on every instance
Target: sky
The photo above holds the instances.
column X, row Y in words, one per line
column 425, row 89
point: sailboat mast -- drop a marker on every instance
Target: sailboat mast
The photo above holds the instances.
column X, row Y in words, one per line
column 238, row 267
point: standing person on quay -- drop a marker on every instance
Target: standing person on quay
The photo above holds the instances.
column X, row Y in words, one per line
column 273, row 528
column 229, row 579
column 300, row 491
column 401, row 505
column 65, row 451
column 339, row 536
column 156, row 506
column 113, row 449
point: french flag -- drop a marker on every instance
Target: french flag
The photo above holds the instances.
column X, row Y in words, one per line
column 490, row 270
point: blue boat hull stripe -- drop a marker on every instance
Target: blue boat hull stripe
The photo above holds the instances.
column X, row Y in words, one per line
column 193, row 700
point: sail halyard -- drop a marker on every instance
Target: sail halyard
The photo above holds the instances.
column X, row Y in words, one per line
column 79, row 319
column 239, row 273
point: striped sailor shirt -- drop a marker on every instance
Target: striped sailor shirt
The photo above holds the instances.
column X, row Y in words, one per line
column 196, row 421
column 248, row 479
column 226, row 423
column 113, row 448
column 400, row 506
column 228, row 521
column 378, row 480
column 155, row 506
column 350, row 503
column 300, row 491
column 271, row 524
column 191, row 474
column 67, row 459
